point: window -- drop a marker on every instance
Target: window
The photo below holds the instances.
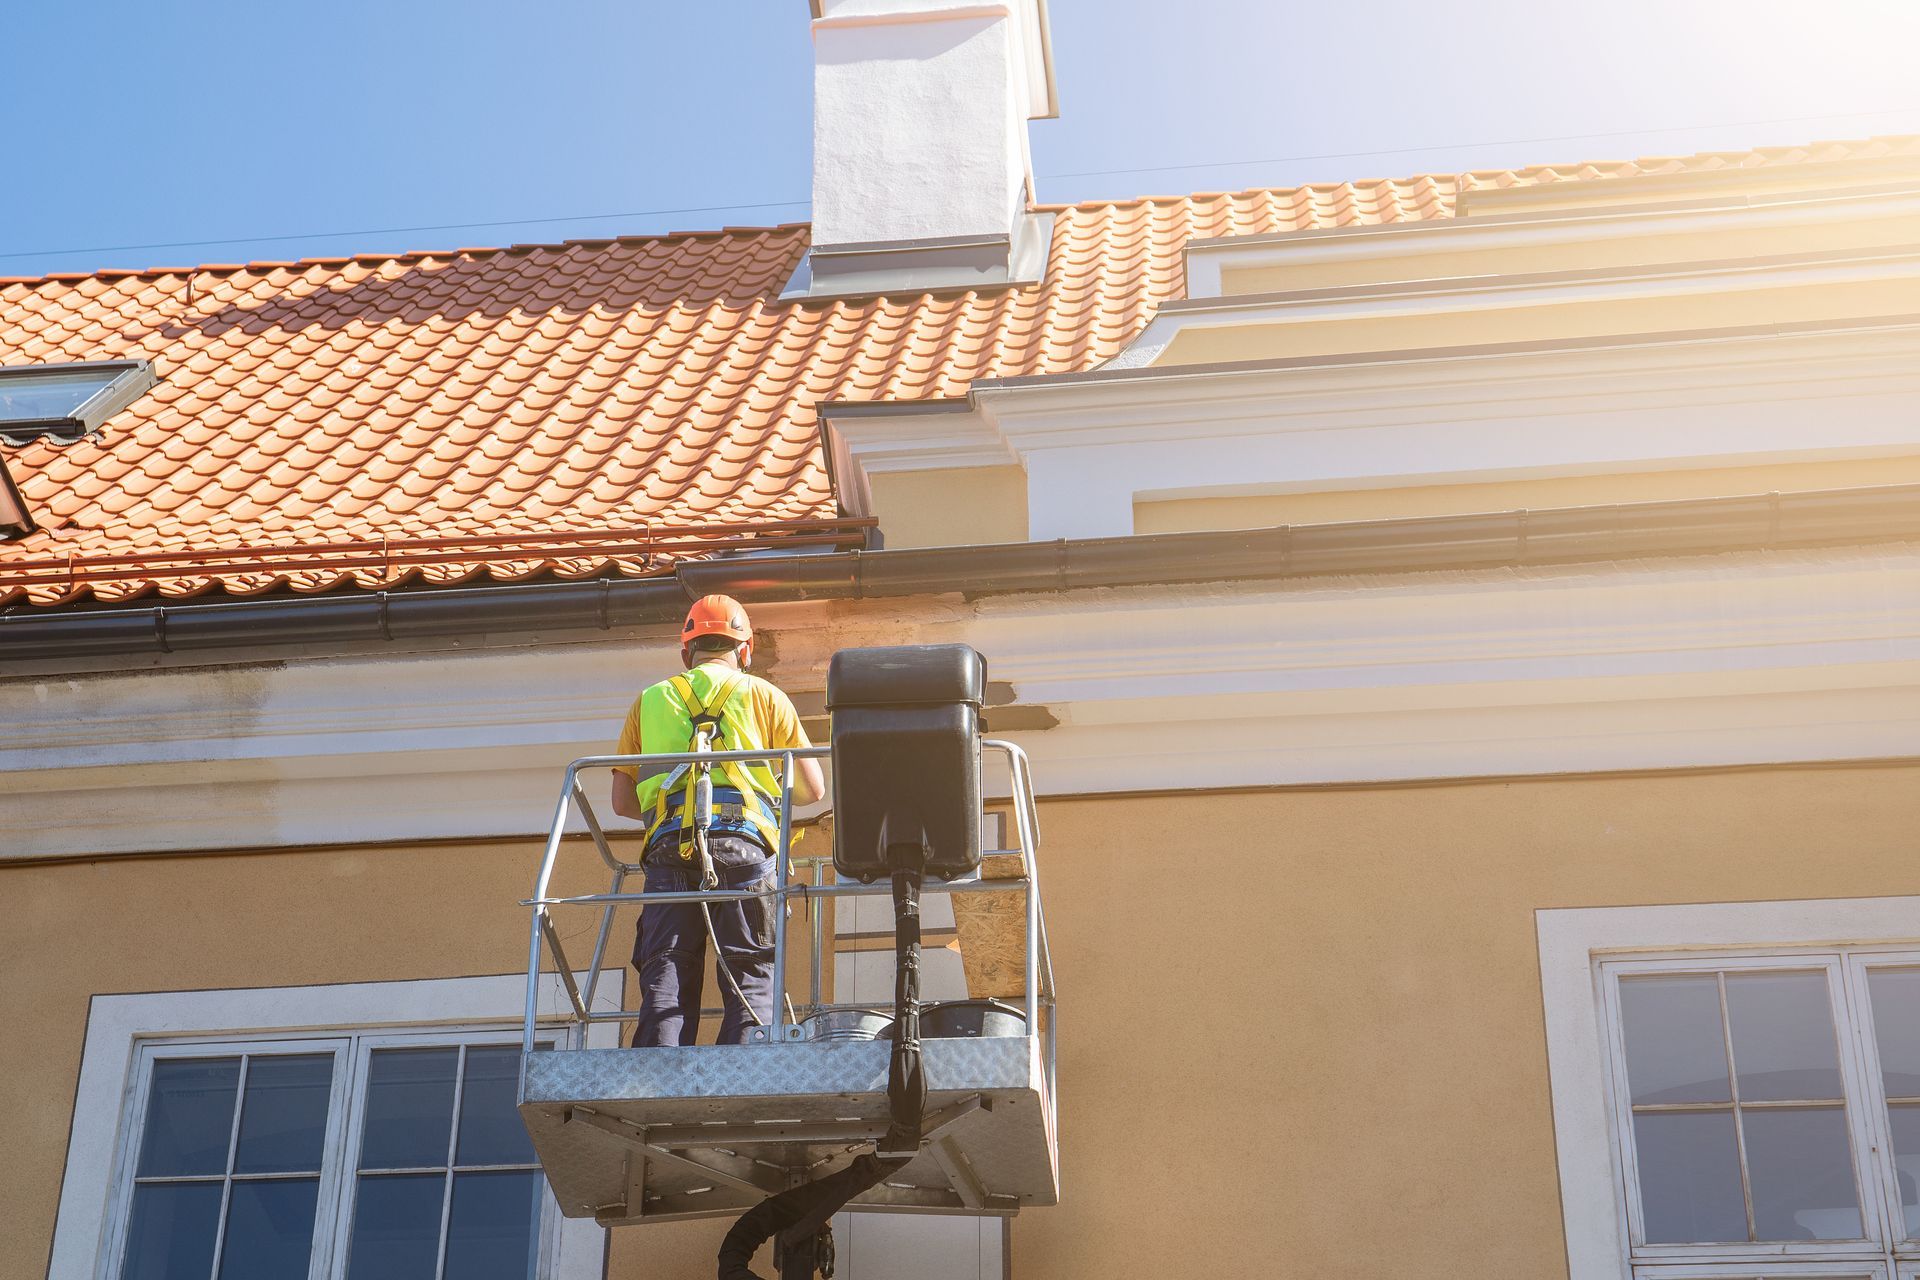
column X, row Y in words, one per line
column 369, row 1157
column 67, row 401
column 1766, row 1106
column 1586, row 952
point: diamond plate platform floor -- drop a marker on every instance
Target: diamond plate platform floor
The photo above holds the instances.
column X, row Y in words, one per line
column 643, row 1135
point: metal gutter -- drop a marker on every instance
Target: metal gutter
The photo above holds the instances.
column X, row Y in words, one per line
column 1834, row 517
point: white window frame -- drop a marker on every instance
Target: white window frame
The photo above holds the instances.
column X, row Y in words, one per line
column 124, row 1031
column 119, row 1204
column 360, row 1060
column 1576, row 947
column 1865, row 1144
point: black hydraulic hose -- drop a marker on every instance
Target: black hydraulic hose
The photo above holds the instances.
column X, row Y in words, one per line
column 799, row 1213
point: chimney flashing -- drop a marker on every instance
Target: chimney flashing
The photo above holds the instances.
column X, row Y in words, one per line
column 926, row 265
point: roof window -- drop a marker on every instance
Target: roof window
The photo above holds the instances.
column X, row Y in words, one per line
column 67, row 402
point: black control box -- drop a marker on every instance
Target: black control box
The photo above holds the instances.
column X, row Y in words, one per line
column 906, row 757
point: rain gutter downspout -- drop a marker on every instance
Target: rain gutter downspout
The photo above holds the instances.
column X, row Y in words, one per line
column 1701, row 526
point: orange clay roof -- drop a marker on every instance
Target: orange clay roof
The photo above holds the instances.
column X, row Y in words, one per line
column 561, row 410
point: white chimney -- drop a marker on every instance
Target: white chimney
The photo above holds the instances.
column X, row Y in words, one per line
column 921, row 174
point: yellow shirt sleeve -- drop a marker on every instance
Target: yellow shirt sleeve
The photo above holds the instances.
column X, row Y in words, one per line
column 629, row 744
column 778, row 720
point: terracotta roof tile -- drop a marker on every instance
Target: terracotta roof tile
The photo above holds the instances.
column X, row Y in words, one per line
column 569, row 409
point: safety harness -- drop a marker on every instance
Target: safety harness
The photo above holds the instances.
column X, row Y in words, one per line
column 692, row 784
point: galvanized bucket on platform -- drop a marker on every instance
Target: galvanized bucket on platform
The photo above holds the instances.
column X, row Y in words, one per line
column 847, row 1024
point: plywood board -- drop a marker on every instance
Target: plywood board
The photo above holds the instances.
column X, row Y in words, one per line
column 993, row 933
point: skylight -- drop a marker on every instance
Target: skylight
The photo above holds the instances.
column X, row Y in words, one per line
column 67, row 401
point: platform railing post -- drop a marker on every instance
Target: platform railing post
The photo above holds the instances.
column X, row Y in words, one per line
column 540, row 890
column 600, row 941
column 782, row 870
column 817, row 918
column 1023, row 818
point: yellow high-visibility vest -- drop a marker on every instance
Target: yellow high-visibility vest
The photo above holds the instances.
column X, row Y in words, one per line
column 669, row 712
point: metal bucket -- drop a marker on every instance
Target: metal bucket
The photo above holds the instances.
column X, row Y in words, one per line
column 847, row 1024
column 955, row 1018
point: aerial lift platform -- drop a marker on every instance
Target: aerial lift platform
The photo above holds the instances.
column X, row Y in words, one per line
column 636, row 1136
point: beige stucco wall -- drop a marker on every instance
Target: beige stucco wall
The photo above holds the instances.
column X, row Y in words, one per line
column 951, row 506
column 1325, row 1059
column 1263, row 511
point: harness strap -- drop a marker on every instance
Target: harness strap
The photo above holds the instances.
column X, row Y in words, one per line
column 711, row 711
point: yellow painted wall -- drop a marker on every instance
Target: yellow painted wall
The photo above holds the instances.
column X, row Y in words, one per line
column 1301, row 1030
column 1264, row 511
column 951, row 507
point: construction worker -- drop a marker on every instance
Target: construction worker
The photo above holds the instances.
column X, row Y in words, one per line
column 741, row 712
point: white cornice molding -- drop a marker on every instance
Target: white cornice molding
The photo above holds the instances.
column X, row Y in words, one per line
column 1408, row 244
column 929, row 437
column 1090, row 443
column 1432, row 385
column 1711, row 661
column 1443, row 301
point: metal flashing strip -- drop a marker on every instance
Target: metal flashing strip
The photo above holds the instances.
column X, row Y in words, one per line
column 1697, row 526
column 866, row 269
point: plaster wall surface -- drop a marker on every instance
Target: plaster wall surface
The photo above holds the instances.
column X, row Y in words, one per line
column 1185, row 512
column 1300, row 1021
column 919, row 125
column 952, row 507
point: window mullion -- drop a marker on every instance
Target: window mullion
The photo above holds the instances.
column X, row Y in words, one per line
column 1733, row 1091
column 327, row 1199
column 453, row 1146
column 226, row 1182
column 1875, row 1119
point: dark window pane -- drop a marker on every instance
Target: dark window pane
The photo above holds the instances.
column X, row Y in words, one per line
column 493, row 1229
column 1689, row 1177
column 396, row 1227
column 490, row 1128
column 1675, row 1049
column 171, row 1233
column 283, row 1119
column 189, row 1117
column 409, row 1108
column 1783, row 1037
column 1800, row 1166
column 1896, row 1026
column 269, row 1229
column 1906, row 1162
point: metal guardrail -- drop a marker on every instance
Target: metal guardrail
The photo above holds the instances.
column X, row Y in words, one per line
column 543, row 936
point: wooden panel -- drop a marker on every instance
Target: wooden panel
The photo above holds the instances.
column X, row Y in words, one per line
column 993, row 933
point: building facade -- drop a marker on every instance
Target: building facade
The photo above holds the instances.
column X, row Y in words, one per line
column 1466, row 629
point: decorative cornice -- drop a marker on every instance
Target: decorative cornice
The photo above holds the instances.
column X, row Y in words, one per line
column 1432, row 384
column 1729, row 659
column 1406, row 245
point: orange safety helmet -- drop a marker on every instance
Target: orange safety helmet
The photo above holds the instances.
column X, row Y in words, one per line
column 718, row 616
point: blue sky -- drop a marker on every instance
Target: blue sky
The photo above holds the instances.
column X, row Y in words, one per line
column 146, row 132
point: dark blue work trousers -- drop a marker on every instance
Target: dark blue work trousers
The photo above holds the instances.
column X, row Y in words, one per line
column 670, row 952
